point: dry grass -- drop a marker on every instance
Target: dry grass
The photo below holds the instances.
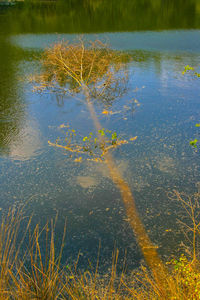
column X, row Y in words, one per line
column 190, row 222
column 41, row 277
column 10, row 249
column 26, row 272
column 32, row 273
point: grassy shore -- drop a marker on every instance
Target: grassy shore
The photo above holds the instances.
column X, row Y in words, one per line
column 28, row 272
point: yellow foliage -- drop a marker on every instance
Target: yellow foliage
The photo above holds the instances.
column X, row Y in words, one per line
column 107, row 112
column 133, row 138
column 78, row 159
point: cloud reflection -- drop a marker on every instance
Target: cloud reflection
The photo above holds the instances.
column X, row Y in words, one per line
column 28, row 144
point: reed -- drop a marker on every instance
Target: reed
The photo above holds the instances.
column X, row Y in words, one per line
column 10, row 247
column 35, row 272
column 40, row 277
column 191, row 223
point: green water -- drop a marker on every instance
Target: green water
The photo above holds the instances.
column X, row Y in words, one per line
column 74, row 16
column 161, row 37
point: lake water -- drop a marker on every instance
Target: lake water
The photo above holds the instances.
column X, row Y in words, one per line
column 161, row 37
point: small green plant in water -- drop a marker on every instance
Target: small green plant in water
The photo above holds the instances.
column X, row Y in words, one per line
column 194, row 143
column 188, row 277
column 191, row 70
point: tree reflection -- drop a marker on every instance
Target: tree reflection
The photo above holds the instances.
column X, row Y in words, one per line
column 69, row 67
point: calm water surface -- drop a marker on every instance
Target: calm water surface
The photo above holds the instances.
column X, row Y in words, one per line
column 162, row 37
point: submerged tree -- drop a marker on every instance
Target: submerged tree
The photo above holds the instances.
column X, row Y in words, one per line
column 80, row 66
column 96, row 71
